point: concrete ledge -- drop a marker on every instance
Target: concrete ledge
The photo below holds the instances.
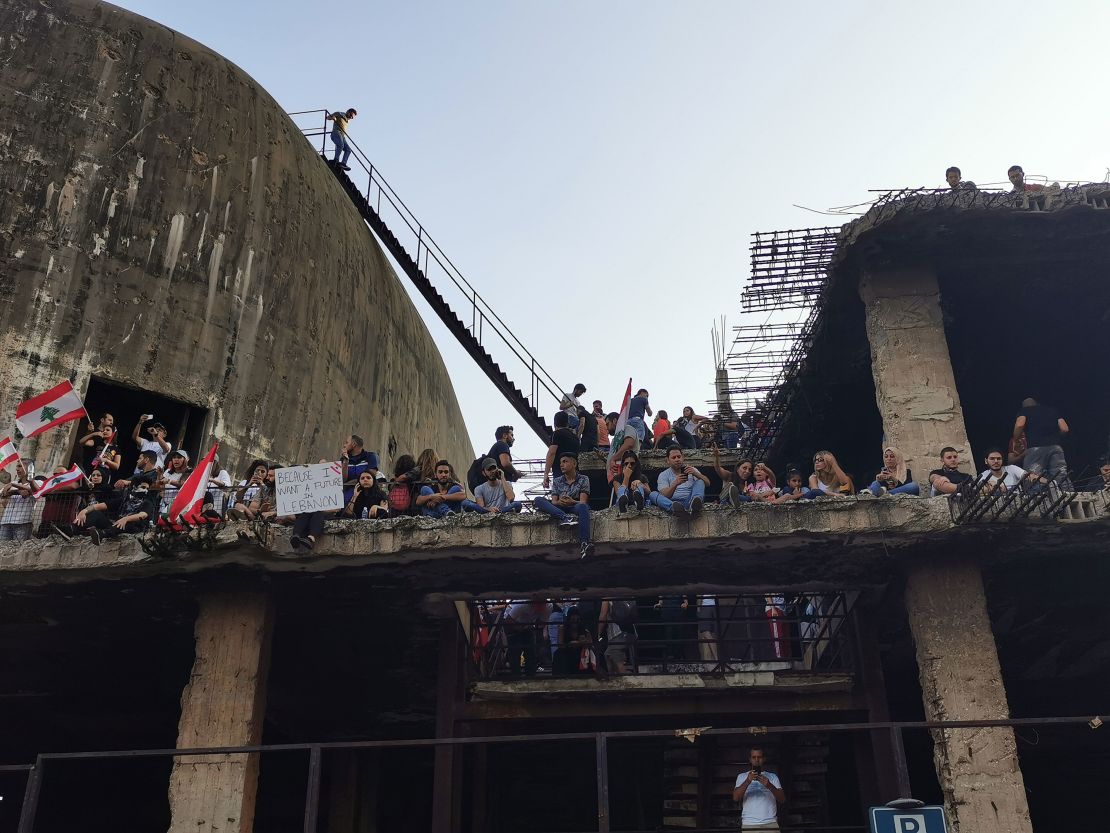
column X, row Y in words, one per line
column 758, row 678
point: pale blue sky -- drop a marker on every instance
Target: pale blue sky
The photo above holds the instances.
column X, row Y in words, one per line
column 596, row 168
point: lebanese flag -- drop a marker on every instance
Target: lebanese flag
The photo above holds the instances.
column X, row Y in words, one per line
column 190, row 497
column 613, row 465
column 8, row 453
column 41, row 413
column 59, row 480
column 623, row 417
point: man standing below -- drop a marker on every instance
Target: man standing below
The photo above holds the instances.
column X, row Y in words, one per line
column 495, row 495
column 759, row 793
column 680, row 488
column 356, row 460
column 339, row 135
column 948, row 478
column 1044, row 430
column 569, row 501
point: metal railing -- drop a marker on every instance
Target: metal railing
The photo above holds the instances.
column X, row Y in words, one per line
column 891, row 731
column 426, row 254
column 673, row 635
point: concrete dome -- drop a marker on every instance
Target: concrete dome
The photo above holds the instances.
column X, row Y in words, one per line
column 165, row 227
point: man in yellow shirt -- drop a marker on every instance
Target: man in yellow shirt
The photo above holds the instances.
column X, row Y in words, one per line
column 339, row 135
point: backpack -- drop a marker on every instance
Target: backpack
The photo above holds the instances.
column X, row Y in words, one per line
column 623, row 612
column 399, row 498
column 474, row 475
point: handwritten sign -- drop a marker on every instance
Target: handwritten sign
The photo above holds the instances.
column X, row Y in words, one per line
column 317, row 488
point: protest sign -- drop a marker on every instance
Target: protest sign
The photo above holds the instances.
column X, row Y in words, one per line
column 317, row 488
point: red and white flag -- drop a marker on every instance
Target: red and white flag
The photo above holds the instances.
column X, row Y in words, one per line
column 190, row 497
column 8, row 452
column 622, row 418
column 60, row 480
column 613, row 465
column 41, row 413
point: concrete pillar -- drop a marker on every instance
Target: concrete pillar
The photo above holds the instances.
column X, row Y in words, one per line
column 978, row 770
column 914, row 385
column 223, row 704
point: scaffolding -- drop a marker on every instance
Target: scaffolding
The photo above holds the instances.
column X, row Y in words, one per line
column 788, row 279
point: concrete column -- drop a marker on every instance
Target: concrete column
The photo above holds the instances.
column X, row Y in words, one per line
column 914, row 385
column 223, row 704
column 978, row 770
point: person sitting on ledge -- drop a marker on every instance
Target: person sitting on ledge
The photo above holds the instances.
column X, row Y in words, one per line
column 245, row 501
column 956, row 181
column 828, row 479
column 570, row 493
column 496, row 494
column 632, row 484
column 734, row 484
column 686, row 428
column 680, row 488
column 131, row 507
column 1000, row 477
column 894, row 478
column 368, row 500
column 948, row 479
column 444, row 496
column 793, row 489
column 762, row 488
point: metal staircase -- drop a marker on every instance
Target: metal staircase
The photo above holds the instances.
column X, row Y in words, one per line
column 426, row 260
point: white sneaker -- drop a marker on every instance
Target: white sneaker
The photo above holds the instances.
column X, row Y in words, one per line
column 570, row 521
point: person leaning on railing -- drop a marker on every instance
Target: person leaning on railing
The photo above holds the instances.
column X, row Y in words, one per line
column 16, row 522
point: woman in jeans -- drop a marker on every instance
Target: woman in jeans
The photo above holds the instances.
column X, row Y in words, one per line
column 828, row 479
column 894, row 478
column 632, row 484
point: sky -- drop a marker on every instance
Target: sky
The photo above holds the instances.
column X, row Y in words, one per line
column 595, row 168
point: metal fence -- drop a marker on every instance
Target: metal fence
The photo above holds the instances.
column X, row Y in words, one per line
column 706, row 634
column 892, row 732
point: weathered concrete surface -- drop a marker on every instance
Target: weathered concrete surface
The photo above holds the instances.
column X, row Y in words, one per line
column 223, row 704
column 914, row 385
column 163, row 224
column 761, row 676
column 961, row 679
column 410, row 540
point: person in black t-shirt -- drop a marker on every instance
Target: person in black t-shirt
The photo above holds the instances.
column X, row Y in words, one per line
column 563, row 441
column 1044, row 429
column 948, row 478
column 501, row 452
column 587, row 430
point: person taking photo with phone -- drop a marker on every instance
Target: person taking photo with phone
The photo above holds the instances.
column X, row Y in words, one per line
column 759, row 794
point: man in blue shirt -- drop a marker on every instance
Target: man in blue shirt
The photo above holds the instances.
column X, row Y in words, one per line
column 637, row 407
column 356, row 459
column 569, row 501
column 445, row 497
column 680, row 488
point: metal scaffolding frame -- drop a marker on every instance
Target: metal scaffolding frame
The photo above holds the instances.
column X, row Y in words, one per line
column 789, row 273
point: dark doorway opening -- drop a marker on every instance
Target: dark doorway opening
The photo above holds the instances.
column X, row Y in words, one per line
column 185, row 423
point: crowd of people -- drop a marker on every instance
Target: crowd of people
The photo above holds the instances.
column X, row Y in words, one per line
column 117, row 502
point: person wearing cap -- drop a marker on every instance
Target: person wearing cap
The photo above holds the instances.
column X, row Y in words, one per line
column 340, row 120
column 177, row 469
column 155, row 440
column 496, row 494
column 569, row 501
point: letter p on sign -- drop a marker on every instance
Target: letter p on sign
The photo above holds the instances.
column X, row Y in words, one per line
column 910, row 823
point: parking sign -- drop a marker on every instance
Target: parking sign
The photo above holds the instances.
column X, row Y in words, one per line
column 912, row 820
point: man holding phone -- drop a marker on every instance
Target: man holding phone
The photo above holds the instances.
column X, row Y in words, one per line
column 681, row 487
column 759, row 793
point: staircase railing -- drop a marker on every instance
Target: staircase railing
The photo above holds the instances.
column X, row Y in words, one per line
column 433, row 262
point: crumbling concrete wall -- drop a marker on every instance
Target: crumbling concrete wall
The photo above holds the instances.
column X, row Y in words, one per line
column 961, row 679
column 914, row 385
column 163, row 224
